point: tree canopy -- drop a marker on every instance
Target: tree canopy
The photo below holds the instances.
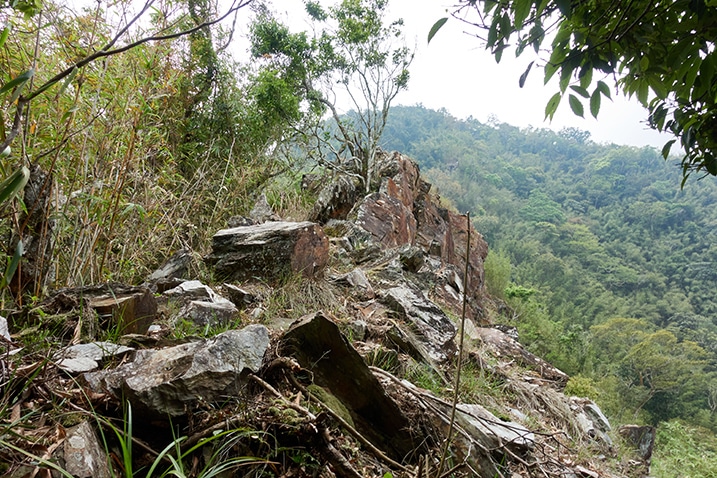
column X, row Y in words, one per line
column 662, row 52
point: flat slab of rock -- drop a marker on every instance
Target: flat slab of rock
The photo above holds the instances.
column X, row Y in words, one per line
column 318, row 345
column 434, row 328
column 269, row 251
column 173, row 380
column 87, row 357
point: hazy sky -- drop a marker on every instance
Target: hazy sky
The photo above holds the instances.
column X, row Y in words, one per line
column 455, row 72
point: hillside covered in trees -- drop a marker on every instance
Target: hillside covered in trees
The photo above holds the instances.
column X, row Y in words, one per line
column 605, row 264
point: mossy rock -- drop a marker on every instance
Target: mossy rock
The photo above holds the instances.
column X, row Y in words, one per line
column 328, row 399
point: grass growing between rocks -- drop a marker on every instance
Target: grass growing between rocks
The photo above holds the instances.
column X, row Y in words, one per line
column 297, row 297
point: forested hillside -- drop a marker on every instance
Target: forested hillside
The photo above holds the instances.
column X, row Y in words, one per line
column 606, row 266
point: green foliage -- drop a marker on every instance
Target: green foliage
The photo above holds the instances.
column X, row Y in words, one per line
column 660, row 52
column 497, row 273
column 580, row 386
column 684, row 450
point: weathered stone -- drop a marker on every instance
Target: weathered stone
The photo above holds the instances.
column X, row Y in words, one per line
column 412, row 258
column 202, row 313
column 444, row 234
column 388, row 220
column 592, row 421
column 434, row 328
column 641, row 437
column 132, row 313
column 86, row 357
column 82, row 453
column 336, row 199
column 193, row 290
column 504, row 346
column 493, row 432
column 200, row 305
column 312, row 182
column 478, row 437
column 173, row 380
column 358, row 329
column 176, row 267
column 130, row 310
column 317, row 344
column 269, row 251
column 400, row 179
column 239, row 221
column 262, row 211
column 357, row 281
column 241, row 297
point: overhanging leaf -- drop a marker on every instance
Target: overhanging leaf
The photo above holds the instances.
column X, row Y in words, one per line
column 552, row 105
column 581, row 91
column 667, row 147
column 436, row 26
column 604, row 89
column 19, row 80
column 576, row 105
column 524, row 76
column 4, row 35
column 595, row 103
column 14, row 184
column 522, row 9
column 12, row 265
column 564, row 6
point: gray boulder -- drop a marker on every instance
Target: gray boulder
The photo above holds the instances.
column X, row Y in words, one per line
column 173, row 380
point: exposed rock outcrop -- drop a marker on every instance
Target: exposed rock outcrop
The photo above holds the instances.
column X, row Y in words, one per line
column 172, row 380
column 269, row 251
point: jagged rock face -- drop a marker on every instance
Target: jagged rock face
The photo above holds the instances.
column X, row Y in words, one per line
column 130, row 310
column 269, row 251
column 389, row 221
column 591, row 420
column 176, row 267
column 404, row 213
column 170, row 381
column 318, row 345
column 434, row 328
column 642, row 438
column 336, row 200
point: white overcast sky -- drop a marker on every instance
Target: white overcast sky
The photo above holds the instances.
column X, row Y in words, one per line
column 455, row 72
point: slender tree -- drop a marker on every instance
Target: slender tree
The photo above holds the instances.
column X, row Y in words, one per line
column 354, row 56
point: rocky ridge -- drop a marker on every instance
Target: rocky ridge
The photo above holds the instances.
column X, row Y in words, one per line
column 328, row 349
